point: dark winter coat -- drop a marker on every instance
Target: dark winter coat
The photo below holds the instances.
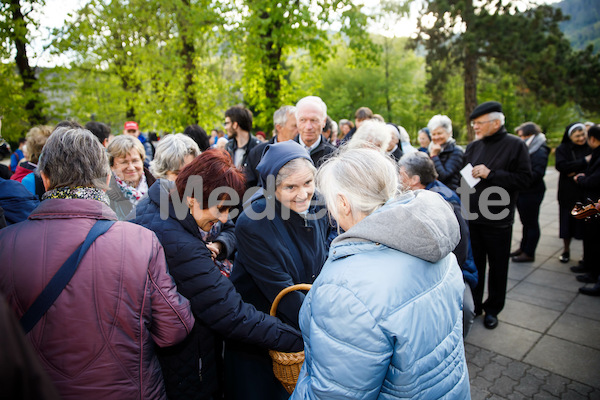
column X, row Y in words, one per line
column 590, row 183
column 507, row 158
column 254, row 156
column 463, row 252
column 321, row 152
column 449, row 163
column 232, row 147
column 218, row 308
column 539, row 163
column 570, row 160
column 16, row 200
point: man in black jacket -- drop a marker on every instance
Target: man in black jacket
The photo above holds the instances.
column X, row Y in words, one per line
column 238, row 123
column 502, row 163
column 311, row 115
column 590, row 182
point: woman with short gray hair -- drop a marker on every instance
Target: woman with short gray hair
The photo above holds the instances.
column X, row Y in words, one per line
column 390, row 284
column 447, row 156
column 173, row 152
column 372, row 134
column 95, row 340
column 130, row 180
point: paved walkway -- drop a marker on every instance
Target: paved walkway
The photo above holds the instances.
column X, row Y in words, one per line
column 547, row 343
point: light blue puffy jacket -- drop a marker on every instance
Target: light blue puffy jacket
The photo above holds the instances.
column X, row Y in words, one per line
column 384, row 318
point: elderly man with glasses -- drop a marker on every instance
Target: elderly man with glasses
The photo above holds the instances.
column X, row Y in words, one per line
column 501, row 162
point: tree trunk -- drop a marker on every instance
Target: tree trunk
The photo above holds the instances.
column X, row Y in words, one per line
column 470, row 70
column 30, row 88
column 187, row 53
column 273, row 54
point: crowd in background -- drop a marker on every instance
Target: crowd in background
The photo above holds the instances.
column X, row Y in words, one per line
column 188, row 238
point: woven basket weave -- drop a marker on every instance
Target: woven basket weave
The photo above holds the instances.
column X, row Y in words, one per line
column 286, row 366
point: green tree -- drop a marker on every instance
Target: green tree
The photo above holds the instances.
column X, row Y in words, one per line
column 15, row 23
column 468, row 37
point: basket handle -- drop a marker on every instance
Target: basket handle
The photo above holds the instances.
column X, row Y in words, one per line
column 300, row 286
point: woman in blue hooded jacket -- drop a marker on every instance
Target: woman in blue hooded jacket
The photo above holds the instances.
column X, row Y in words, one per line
column 383, row 320
column 281, row 241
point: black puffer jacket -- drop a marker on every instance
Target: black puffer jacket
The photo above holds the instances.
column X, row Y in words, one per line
column 449, row 163
column 218, row 308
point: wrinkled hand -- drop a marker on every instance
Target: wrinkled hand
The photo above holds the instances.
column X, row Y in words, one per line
column 435, row 149
column 481, row 171
column 215, row 249
column 576, row 177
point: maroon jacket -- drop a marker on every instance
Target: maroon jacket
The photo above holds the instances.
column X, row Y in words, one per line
column 97, row 340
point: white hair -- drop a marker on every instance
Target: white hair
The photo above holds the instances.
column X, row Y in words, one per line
column 281, row 116
column 440, row 120
column 170, row 154
column 372, row 134
column 314, row 100
column 366, row 178
column 497, row 115
column 404, row 138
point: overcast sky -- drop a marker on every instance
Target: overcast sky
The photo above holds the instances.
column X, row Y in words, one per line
column 55, row 12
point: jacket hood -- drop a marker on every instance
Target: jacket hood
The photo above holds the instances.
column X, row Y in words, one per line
column 418, row 223
column 277, row 155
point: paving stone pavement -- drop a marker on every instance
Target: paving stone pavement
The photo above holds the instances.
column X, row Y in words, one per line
column 547, row 343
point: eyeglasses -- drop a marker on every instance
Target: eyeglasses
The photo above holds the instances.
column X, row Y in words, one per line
column 474, row 123
column 126, row 163
column 226, row 123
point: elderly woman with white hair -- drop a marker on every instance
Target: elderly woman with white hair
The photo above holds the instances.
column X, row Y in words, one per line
column 173, row 152
column 372, row 134
column 384, row 317
column 447, row 156
column 130, row 180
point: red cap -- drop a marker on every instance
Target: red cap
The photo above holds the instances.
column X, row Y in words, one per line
column 131, row 125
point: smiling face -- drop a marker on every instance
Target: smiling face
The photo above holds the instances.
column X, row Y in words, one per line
column 207, row 217
column 296, row 191
column 439, row 136
column 129, row 168
column 578, row 137
column 310, row 122
column 423, row 139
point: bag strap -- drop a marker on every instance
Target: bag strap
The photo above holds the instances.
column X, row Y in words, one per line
column 293, row 249
column 62, row 277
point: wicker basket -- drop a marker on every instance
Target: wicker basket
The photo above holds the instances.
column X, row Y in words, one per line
column 286, row 366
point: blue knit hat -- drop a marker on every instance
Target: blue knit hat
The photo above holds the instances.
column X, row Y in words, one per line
column 277, row 155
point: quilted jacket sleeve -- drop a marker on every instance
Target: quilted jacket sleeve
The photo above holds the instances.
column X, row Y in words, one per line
column 172, row 318
column 227, row 238
column 217, row 304
column 451, row 166
column 347, row 353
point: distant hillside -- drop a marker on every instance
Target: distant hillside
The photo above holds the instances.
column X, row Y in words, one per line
column 584, row 26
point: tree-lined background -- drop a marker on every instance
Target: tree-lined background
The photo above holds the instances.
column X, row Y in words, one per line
column 171, row 63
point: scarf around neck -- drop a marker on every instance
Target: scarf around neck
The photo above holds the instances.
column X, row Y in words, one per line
column 78, row 192
column 133, row 194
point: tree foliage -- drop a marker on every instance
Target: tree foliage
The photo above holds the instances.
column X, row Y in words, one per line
column 467, row 37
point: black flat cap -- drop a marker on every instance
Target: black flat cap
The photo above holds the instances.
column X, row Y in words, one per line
column 486, row 108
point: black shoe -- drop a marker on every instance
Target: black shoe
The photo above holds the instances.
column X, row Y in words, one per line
column 522, row 258
column 490, row 321
column 580, row 269
column 516, row 253
column 564, row 257
column 587, row 278
column 592, row 291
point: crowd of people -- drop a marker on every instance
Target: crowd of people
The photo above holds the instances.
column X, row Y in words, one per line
column 146, row 269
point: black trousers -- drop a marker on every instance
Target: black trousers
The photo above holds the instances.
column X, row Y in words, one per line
column 491, row 245
column 528, row 205
column 591, row 245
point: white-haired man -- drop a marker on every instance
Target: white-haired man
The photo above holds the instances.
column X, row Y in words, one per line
column 284, row 121
column 311, row 116
column 502, row 163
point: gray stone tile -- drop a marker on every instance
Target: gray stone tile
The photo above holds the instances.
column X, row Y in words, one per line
column 553, row 279
column 518, row 271
column 586, row 306
column 577, row 329
column 508, row 340
column 574, row 361
column 542, row 296
column 528, row 316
